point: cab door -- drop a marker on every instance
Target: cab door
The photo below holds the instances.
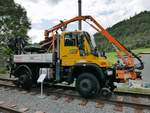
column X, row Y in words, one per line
column 69, row 50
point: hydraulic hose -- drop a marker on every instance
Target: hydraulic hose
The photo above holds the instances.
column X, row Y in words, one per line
column 141, row 66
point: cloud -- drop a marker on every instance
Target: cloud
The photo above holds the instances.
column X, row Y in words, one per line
column 48, row 1
column 46, row 13
column 45, row 9
column 36, row 35
column 54, row 1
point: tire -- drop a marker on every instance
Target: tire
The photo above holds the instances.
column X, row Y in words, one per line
column 35, row 76
column 25, row 80
column 87, row 85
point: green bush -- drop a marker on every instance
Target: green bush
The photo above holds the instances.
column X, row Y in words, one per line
column 3, row 70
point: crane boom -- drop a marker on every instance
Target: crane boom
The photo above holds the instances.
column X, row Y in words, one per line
column 130, row 56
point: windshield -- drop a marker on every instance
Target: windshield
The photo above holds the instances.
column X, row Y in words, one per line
column 89, row 40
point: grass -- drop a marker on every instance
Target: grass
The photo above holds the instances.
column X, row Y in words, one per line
column 3, row 70
column 140, row 50
column 112, row 56
column 133, row 90
column 124, row 87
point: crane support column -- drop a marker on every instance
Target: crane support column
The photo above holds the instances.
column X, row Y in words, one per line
column 80, row 13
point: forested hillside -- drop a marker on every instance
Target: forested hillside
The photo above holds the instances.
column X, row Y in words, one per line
column 133, row 33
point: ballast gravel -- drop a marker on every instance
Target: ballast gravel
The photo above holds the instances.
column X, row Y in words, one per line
column 33, row 104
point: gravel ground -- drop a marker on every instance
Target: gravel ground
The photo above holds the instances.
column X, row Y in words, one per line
column 50, row 104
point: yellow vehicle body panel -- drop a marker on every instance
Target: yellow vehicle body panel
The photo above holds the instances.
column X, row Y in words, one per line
column 70, row 55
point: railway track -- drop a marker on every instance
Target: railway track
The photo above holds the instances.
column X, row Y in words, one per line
column 119, row 98
column 7, row 82
column 5, row 109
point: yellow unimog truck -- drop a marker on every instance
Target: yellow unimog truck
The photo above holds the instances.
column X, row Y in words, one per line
column 70, row 57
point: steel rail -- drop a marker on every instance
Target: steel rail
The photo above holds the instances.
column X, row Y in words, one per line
column 4, row 109
column 110, row 100
column 7, row 82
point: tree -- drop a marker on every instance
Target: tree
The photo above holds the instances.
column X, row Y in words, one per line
column 14, row 24
column 13, row 21
column 133, row 32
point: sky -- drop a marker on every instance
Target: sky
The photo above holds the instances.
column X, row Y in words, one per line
column 44, row 14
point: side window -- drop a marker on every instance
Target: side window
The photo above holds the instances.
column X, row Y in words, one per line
column 70, row 40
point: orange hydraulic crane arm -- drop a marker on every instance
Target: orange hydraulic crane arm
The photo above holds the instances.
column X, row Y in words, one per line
column 104, row 32
column 77, row 18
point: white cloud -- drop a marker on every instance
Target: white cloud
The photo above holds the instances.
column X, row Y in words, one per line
column 36, row 35
column 107, row 12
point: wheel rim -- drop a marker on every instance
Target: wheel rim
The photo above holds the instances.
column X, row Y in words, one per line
column 85, row 85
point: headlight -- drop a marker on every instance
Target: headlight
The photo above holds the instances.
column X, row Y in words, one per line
column 109, row 72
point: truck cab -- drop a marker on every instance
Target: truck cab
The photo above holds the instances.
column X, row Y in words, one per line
column 77, row 47
column 72, row 58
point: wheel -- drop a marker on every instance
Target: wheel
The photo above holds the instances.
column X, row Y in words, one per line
column 25, row 80
column 87, row 85
column 105, row 92
column 35, row 72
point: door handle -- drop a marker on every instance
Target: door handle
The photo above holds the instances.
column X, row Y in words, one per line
column 64, row 56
